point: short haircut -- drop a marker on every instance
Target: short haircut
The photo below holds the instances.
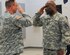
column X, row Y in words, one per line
column 9, row 3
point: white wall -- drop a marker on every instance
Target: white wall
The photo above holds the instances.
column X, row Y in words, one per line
column 3, row 6
column 0, row 8
column 20, row 1
column 33, row 37
column 66, row 10
column 32, row 6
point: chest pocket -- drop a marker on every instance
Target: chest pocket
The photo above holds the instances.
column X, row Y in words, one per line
column 51, row 24
column 7, row 22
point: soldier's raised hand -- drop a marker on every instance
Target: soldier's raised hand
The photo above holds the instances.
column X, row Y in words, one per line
column 20, row 9
column 41, row 11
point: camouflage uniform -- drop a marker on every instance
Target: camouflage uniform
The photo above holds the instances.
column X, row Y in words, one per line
column 55, row 31
column 11, row 40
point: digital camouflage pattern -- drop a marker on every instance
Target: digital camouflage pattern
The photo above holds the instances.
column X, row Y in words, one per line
column 11, row 40
column 55, row 31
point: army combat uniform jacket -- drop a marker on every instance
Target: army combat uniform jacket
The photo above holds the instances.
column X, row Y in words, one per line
column 55, row 30
column 11, row 40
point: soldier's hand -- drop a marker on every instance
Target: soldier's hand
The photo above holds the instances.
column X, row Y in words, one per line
column 60, row 52
column 20, row 9
column 18, row 17
column 41, row 11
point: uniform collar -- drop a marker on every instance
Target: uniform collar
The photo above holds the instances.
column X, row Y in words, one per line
column 7, row 15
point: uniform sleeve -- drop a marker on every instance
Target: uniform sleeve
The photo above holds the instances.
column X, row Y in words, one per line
column 23, row 21
column 37, row 21
column 65, row 30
